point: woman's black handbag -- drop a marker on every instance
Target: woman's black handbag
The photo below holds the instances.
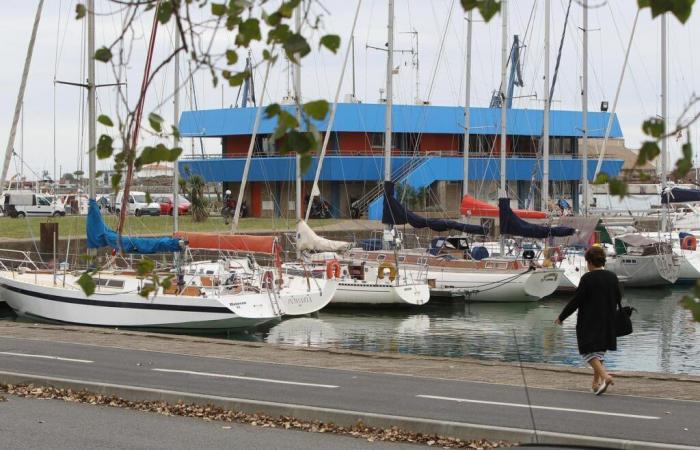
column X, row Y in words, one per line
column 623, row 320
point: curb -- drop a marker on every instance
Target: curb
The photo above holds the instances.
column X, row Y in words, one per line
column 340, row 417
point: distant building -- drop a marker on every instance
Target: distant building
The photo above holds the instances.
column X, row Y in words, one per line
column 427, row 154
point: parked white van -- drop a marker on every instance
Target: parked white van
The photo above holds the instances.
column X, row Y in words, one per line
column 137, row 204
column 28, row 204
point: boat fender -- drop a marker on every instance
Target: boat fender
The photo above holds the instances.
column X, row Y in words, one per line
column 332, row 269
column 689, row 243
column 386, row 265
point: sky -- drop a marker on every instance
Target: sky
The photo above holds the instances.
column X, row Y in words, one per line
column 54, row 115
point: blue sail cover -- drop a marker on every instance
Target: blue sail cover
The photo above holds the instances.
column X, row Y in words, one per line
column 395, row 213
column 514, row 225
column 100, row 235
column 680, row 195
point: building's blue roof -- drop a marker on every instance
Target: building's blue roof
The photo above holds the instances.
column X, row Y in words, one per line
column 362, row 117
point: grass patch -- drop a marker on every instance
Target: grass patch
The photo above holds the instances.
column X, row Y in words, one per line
column 74, row 226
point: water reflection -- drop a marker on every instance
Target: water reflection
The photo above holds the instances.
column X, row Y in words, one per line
column 665, row 337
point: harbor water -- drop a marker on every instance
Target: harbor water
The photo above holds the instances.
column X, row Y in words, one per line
column 666, row 338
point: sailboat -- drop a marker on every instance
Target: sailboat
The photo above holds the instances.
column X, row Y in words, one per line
column 358, row 283
column 219, row 300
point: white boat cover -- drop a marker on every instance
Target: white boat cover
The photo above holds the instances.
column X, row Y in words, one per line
column 308, row 240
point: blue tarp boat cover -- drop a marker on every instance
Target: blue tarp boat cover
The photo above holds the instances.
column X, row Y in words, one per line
column 514, row 225
column 395, row 213
column 680, row 195
column 100, row 235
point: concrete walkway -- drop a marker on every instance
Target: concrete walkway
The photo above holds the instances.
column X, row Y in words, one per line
column 454, row 397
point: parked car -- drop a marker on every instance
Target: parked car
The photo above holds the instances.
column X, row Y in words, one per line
column 137, row 204
column 28, row 204
column 166, row 204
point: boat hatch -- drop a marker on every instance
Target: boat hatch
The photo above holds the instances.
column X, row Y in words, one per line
column 110, row 283
column 381, row 257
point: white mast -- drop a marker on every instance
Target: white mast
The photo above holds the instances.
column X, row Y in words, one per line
column 92, row 120
column 20, row 98
column 547, row 107
column 176, row 140
column 389, row 93
column 584, row 106
column 664, row 113
column 504, row 61
column 297, row 100
column 331, row 119
column 467, row 107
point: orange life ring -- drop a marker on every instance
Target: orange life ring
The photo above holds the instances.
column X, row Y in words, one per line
column 386, row 265
column 333, row 269
column 689, row 243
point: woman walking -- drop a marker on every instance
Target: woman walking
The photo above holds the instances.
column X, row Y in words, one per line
column 596, row 299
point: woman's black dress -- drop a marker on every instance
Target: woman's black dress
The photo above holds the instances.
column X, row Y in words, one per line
column 596, row 300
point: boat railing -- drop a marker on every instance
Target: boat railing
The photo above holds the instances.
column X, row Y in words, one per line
column 15, row 259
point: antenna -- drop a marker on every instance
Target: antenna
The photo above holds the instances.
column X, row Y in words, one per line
column 527, row 392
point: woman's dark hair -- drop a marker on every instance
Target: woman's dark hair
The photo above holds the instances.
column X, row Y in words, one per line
column 596, row 256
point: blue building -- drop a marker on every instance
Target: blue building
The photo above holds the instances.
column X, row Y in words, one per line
column 427, row 155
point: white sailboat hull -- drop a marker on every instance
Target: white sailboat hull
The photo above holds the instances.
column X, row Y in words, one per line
column 645, row 271
column 43, row 301
column 355, row 292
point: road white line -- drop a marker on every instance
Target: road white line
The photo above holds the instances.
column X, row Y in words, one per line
column 548, row 408
column 237, row 377
column 58, row 358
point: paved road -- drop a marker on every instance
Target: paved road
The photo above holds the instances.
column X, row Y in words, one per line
column 31, row 424
column 614, row 416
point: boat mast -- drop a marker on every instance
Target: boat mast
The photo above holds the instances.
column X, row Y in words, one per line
column 20, row 98
column 176, row 139
column 584, row 106
column 467, row 107
column 504, row 62
column 92, row 120
column 547, row 107
column 389, row 93
column 331, row 118
column 664, row 113
column 297, row 99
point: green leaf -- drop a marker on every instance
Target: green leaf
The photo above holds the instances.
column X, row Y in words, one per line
column 602, row 178
column 80, row 11
column 279, row 34
column 231, row 57
column 238, row 78
column 287, row 8
column 617, row 187
column 103, row 54
column 175, row 131
column 654, row 127
column 145, row 266
column 304, row 162
column 679, row 8
column 156, row 122
column 147, row 289
column 218, row 9
column 165, row 11
column 684, row 164
column 331, row 42
column 487, row 8
column 104, row 147
column 272, row 110
column 316, row 109
column 296, row 45
column 647, row 152
column 248, row 30
column 105, row 120
column 87, row 284
column 116, row 181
